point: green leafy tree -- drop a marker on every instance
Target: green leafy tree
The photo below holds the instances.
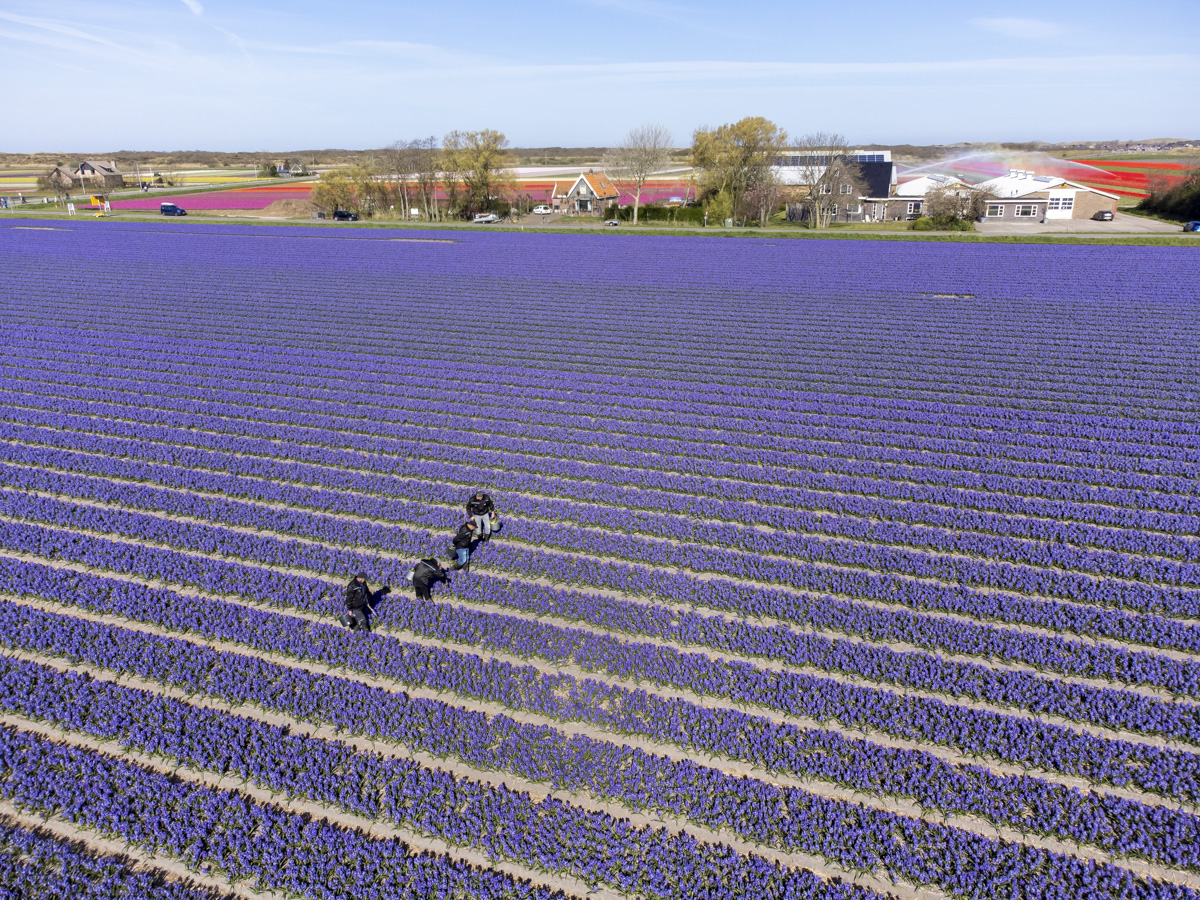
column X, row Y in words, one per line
column 734, row 159
column 474, row 159
column 1180, row 200
column 333, row 191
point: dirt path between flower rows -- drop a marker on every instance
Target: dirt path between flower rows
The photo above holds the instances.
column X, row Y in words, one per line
column 169, row 868
column 266, row 408
column 297, row 805
column 841, row 568
column 823, row 537
column 550, row 666
column 766, row 621
column 1145, row 690
column 702, row 576
column 732, row 767
column 584, row 798
column 627, row 468
column 482, row 390
column 422, row 841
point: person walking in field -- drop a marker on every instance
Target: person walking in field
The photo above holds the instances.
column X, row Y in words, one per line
column 359, row 603
column 464, row 543
column 480, row 508
column 426, row 574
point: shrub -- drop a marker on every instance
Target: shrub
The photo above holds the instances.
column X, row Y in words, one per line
column 669, row 215
column 1179, row 202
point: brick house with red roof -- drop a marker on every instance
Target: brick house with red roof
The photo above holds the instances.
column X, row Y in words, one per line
column 590, row 194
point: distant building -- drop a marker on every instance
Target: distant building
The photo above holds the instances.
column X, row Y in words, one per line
column 876, row 167
column 590, row 193
column 874, row 175
column 907, row 199
column 558, row 194
column 62, row 179
column 99, row 174
column 1022, row 195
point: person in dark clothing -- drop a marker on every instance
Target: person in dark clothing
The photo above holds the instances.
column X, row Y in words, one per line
column 480, row 508
column 464, row 543
column 427, row 573
column 359, row 600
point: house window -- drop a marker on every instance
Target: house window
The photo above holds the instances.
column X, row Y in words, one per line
column 914, row 208
column 854, row 210
column 833, row 211
column 1063, row 203
column 826, row 189
column 1026, row 210
column 844, row 189
column 995, row 211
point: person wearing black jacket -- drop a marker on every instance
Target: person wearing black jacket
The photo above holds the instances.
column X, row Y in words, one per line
column 479, row 508
column 464, row 543
column 358, row 603
column 427, row 573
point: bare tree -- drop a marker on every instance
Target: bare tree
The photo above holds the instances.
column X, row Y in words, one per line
column 426, row 162
column 644, row 151
column 762, row 200
column 828, row 176
column 57, row 182
column 397, row 164
column 950, row 203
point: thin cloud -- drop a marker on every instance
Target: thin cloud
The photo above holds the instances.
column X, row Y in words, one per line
column 1023, row 29
column 54, row 27
column 194, row 6
column 707, row 70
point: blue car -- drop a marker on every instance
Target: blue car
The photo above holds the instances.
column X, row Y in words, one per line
column 1192, row 226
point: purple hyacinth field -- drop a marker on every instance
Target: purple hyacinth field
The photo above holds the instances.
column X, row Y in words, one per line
column 828, row 569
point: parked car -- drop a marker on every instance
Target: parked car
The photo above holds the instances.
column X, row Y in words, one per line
column 344, row 215
column 486, row 218
column 611, row 223
column 542, row 210
column 170, row 209
column 1104, row 215
column 1192, row 226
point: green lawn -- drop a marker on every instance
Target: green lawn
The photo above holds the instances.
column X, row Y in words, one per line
column 793, row 233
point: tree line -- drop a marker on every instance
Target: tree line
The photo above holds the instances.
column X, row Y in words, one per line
column 462, row 174
column 733, row 174
column 1179, row 200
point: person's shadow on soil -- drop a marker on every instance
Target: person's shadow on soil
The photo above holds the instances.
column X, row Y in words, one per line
column 376, row 601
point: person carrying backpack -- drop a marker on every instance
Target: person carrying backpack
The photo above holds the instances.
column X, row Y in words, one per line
column 464, row 543
column 427, row 573
column 480, row 508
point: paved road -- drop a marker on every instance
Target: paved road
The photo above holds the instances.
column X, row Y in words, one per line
column 1122, row 223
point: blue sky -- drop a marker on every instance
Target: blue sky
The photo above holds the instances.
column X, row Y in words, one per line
column 220, row 75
